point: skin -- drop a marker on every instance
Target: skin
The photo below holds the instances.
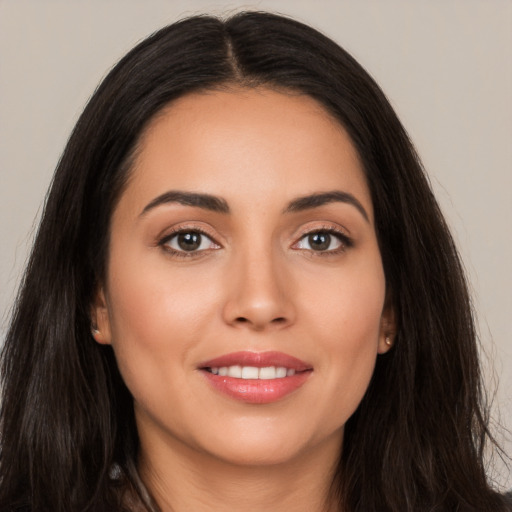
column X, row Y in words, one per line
column 255, row 284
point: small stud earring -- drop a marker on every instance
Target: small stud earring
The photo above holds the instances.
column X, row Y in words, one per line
column 94, row 330
column 388, row 341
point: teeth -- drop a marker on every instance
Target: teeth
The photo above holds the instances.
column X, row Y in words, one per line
column 280, row 372
column 235, row 371
column 268, row 373
column 252, row 372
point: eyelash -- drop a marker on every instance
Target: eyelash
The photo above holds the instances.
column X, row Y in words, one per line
column 345, row 241
column 180, row 231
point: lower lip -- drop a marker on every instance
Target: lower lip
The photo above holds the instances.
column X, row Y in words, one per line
column 256, row 391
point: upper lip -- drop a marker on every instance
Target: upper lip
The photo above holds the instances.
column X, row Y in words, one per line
column 258, row 360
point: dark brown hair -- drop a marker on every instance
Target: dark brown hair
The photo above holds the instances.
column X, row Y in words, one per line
column 69, row 440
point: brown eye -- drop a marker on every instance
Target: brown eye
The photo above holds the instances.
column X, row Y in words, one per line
column 326, row 241
column 319, row 241
column 189, row 241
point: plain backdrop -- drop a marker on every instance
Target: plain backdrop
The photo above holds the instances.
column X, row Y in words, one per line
column 446, row 66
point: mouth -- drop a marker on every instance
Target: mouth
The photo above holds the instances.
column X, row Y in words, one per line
column 253, row 372
column 256, row 377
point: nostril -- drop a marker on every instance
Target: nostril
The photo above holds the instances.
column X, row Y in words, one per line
column 276, row 321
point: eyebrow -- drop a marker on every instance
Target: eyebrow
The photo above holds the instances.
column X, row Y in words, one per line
column 205, row 201
column 218, row 204
column 322, row 198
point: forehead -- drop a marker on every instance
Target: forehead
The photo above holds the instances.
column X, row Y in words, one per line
column 247, row 144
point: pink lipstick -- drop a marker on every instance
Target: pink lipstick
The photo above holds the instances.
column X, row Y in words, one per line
column 256, row 377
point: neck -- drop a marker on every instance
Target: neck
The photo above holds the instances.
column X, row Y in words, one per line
column 182, row 479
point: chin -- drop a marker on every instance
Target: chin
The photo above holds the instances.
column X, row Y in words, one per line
column 258, row 455
column 268, row 445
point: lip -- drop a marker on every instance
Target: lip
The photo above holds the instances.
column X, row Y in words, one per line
column 257, row 359
column 257, row 391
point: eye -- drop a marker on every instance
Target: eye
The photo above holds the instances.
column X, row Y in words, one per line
column 323, row 241
column 188, row 241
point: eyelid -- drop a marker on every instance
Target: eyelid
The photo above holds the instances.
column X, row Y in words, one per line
column 163, row 240
column 314, row 227
column 334, row 229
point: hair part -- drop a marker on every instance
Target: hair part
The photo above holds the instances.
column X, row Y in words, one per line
column 69, row 440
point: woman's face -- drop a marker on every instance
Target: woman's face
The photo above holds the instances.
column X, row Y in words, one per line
column 245, row 294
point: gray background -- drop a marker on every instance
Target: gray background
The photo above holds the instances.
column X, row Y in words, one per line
column 446, row 66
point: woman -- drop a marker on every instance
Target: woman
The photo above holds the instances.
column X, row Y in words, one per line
column 242, row 296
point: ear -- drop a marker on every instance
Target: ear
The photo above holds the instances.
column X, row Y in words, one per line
column 387, row 327
column 100, row 320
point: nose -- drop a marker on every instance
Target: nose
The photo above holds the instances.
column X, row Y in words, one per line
column 259, row 294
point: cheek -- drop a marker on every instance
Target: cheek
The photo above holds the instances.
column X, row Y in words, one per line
column 153, row 332
column 346, row 316
column 154, row 304
column 346, row 305
column 157, row 318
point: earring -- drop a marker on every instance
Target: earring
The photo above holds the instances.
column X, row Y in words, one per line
column 388, row 341
column 94, row 330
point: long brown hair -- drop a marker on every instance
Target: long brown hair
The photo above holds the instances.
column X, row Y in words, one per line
column 69, row 440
